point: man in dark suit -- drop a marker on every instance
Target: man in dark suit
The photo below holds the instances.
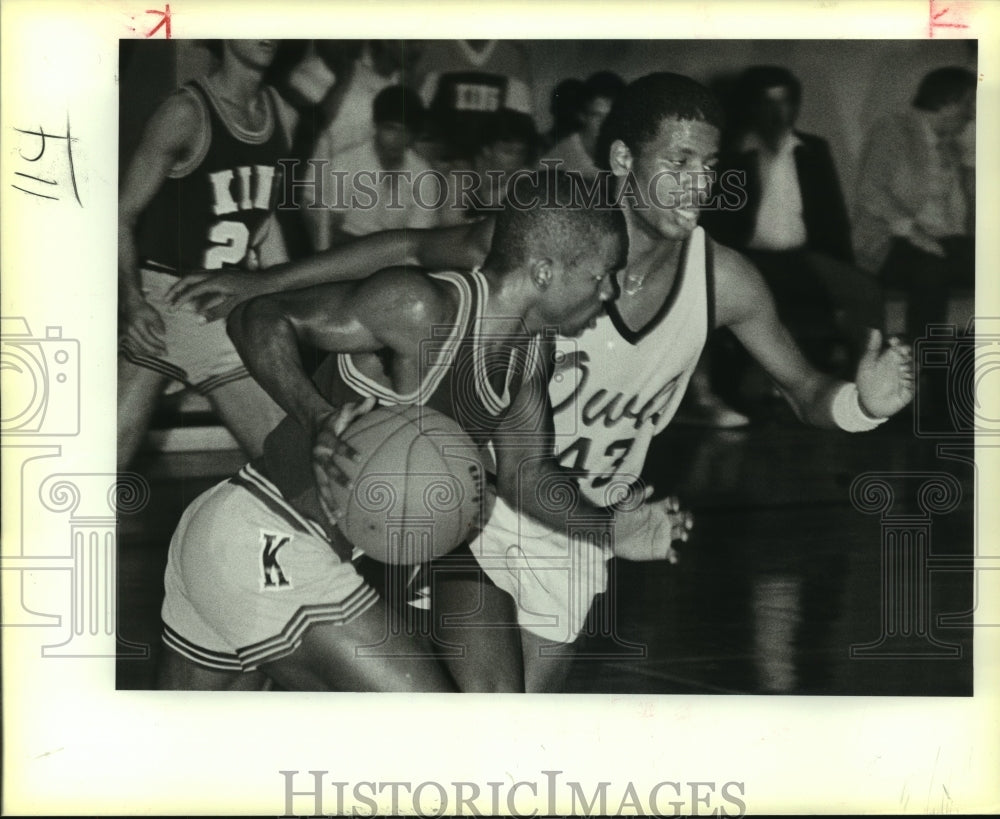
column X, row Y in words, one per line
column 794, row 223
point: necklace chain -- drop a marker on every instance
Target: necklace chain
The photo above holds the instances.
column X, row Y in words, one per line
column 633, row 283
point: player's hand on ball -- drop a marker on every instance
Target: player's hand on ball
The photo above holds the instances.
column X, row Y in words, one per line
column 885, row 377
column 328, row 447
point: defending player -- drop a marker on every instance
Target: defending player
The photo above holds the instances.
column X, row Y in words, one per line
column 258, row 578
column 623, row 380
column 198, row 194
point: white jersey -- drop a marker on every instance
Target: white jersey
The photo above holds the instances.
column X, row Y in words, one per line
column 613, row 389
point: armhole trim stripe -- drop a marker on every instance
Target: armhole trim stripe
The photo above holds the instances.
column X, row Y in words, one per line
column 184, row 168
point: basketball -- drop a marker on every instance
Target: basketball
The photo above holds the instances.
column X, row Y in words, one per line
column 418, row 484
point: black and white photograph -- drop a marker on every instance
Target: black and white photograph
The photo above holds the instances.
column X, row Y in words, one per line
column 479, row 397
column 725, row 263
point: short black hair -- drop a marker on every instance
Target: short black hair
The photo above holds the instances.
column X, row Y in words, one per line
column 944, row 86
column 508, row 125
column 397, row 103
column 544, row 210
column 564, row 105
column 756, row 79
column 603, row 84
column 640, row 109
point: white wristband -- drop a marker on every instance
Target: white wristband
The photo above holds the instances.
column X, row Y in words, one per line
column 847, row 413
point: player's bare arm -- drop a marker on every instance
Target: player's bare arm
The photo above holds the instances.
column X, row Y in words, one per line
column 169, row 138
column 884, row 380
column 389, row 311
column 456, row 248
column 530, row 479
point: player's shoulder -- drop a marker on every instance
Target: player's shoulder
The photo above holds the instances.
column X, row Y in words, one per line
column 729, row 262
column 739, row 287
column 409, row 296
column 185, row 105
column 181, row 116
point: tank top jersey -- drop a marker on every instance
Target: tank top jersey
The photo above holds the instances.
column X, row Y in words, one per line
column 614, row 389
column 457, row 378
column 209, row 212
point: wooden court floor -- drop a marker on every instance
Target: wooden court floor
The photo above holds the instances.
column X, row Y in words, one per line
column 821, row 563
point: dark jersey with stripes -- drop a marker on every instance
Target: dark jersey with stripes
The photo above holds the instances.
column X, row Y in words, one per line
column 466, row 373
column 461, row 109
column 211, row 210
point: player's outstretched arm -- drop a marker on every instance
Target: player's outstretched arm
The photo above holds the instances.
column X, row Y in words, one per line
column 462, row 247
column 885, row 375
column 530, row 480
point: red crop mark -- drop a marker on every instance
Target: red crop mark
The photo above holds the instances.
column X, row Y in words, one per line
column 164, row 21
column 944, row 14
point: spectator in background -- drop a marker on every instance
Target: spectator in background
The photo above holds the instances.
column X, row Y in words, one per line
column 564, row 106
column 914, row 217
column 578, row 150
column 465, row 81
column 346, row 109
column 914, row 221
column 794, row 225
column 379, row 175
column 303, row 73
column 507, row 143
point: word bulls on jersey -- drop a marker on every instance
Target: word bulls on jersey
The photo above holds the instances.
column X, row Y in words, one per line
column 213, row 209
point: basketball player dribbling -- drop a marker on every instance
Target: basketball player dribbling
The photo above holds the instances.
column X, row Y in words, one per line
column 198, row 194
column 259, row 579
column 621, row 382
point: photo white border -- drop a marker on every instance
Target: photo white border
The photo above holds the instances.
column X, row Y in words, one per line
column 75, row 745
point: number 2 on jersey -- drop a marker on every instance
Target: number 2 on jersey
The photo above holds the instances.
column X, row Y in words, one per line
column 230, row 240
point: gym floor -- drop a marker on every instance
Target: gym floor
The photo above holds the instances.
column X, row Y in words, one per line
column 800, row 577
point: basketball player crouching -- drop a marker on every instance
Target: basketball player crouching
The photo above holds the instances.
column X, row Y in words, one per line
column 259, row 580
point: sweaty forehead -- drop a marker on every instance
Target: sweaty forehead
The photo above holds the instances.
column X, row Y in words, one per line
column 697, row 136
